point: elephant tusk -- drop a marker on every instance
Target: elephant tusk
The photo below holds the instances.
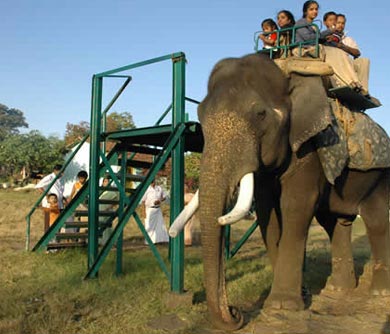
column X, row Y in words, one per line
column 184, row 216
column 244, row 201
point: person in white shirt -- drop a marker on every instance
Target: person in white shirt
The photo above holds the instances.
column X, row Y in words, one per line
column 349, row 45
column 154, row 220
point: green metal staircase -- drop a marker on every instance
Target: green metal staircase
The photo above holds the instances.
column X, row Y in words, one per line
column 160, row 142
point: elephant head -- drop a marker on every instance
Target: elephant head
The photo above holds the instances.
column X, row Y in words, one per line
column 245, row 119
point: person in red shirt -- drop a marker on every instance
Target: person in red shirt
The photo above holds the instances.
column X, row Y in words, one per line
column 269, row 35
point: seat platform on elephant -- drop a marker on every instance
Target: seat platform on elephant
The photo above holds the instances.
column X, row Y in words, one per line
column 352, row 99
column 309, row 58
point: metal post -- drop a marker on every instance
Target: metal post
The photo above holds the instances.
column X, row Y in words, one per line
column 177, row 174
column 119, row 242
column 93, row 206
column 28, row 227
column 227, row 241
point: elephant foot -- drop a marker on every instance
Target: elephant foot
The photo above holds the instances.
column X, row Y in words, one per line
column 340, row 283
column 383, row 292
column 333, row 302
column 380, row 284
column 231, row 322
column 280, row 301
column 272, row 321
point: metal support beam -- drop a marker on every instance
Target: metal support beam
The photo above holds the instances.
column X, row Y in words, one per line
column 177, row 176
column 122, row 198
column 93, row 207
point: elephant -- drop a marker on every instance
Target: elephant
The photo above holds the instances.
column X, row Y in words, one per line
column 250, row 143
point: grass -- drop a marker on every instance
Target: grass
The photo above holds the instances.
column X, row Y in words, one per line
column 45, row 293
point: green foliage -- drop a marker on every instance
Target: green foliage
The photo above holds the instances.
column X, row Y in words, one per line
column 75, row 132
column 119, row 121
column 192, row 169
column 10, row 120
column 114, row 122
column 31, row 150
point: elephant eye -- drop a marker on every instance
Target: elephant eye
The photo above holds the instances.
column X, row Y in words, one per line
column 261, row 113
column 258, row 110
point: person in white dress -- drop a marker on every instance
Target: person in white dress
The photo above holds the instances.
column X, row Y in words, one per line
column 154, row 220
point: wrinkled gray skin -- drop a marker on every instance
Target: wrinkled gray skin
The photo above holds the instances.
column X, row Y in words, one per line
column 243, row 133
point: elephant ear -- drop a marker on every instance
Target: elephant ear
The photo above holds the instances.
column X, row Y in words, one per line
column 311, row 112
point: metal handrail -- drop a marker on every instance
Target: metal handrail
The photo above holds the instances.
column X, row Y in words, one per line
column 293, row 44
column 169, row 108
column 39, row 200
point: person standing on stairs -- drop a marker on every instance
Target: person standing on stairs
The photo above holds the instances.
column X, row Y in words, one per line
column 82, row 177
column 57, row 189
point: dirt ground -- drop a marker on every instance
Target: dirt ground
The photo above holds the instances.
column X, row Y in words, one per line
column 327, row 312
column 355, row 312
column 350, row 313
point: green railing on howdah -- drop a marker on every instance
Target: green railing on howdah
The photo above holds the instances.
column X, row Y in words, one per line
column 292, row 45
column 38, row 202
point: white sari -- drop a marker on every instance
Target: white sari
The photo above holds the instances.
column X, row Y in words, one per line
column 154, row 225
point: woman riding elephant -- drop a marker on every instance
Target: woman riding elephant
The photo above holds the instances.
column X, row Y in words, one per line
column 258, row 127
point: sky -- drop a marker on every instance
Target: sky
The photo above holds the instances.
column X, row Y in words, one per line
column 50, row 50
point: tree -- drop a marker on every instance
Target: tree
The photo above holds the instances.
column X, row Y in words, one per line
column 32, row 151
column 10, row 120
column 75, row 132
column 114, row 122
column 192, row 169
column 119, row 121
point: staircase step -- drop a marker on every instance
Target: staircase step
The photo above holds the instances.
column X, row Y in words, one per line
column 140, row 149
column 136, row 178
column 84, row 213
column 76, row 224
column 85, row 225
column 137, row 163
column 131, row 177
column 61, row 245
column 108, row 201
column 128, row 190
column 73, row 235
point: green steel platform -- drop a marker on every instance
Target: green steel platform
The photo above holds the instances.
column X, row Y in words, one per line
column 158, row 135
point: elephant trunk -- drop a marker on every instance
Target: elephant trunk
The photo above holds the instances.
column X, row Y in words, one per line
column 212, row 195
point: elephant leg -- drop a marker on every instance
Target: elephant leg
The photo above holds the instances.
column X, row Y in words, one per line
column 267, row 193
column 343, row 272
column 300, row 192
column 375, row 213
column 271, row 235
